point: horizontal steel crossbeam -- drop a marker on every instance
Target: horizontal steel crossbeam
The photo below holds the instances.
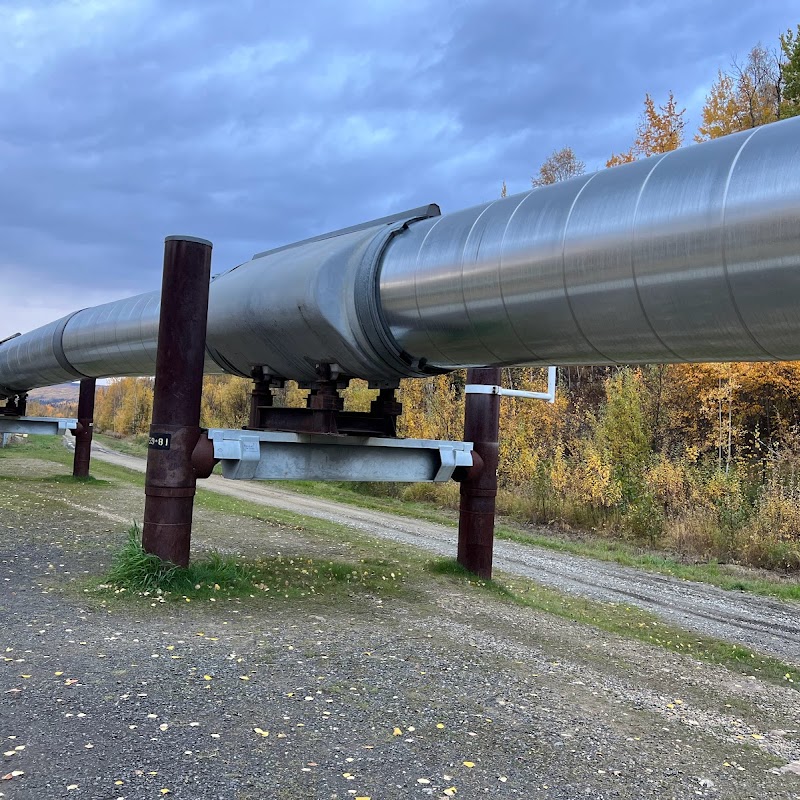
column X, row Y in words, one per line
column 39, row 425
column 273, row 455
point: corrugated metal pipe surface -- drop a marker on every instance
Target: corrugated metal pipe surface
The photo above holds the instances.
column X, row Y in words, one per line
column 689, row 256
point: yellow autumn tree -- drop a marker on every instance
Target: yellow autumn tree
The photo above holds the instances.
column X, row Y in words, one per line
column 225, row 402
column 659, row 130
column 722, row 113
column 751, row 93
column 125, row 406
column 560, row 165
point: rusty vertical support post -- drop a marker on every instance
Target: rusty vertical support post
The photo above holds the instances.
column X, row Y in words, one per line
column 83, row 436
column 175, row 429
column 478, row 492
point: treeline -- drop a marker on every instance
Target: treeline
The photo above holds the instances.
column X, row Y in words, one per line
column 701, row 459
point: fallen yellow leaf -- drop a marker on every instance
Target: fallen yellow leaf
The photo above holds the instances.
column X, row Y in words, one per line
column 397, row 732
column 468, row 764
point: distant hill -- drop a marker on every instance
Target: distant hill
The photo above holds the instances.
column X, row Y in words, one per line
column 54, row 395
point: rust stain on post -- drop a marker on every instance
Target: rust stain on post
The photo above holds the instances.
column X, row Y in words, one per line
column 479, row 489
column 175, row 428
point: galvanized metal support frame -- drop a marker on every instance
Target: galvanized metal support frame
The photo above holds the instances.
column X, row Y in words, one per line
column 277, row 455
column 479, row 486
column 85, row 430
column 54, row 426
column 175, row 429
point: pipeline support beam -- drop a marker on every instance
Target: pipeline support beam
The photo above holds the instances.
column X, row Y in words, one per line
column 85, row 429
column 175, row 429
column 40, row 426
column 479, row 489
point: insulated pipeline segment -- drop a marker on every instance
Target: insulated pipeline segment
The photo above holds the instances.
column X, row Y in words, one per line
column 689, row 256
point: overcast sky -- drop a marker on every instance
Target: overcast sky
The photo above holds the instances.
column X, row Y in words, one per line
column 257, row 123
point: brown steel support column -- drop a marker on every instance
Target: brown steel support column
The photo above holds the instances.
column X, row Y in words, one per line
column 83, row 436
column 479, row 490
column 175, row 429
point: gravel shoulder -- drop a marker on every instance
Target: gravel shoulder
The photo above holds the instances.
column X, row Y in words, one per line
column 439, row 687
column 764, row 624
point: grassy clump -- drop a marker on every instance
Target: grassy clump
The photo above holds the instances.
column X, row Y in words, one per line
column 216, row 576
column 134, row 570
column 450, row 567
column 630, row 622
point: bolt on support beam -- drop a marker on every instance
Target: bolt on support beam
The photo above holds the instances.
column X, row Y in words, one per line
column 85, row 429
column 170, row 480
column 479, row 488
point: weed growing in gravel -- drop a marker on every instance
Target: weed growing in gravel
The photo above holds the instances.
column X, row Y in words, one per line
column 214, row 576
column 630, row 622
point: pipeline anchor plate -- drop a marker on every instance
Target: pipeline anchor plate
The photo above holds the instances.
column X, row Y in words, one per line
column 40, row 425
column 274, row 455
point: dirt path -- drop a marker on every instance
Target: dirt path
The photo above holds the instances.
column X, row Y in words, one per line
column 770, row 626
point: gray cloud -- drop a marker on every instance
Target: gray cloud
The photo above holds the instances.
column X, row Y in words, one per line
column 259, row 123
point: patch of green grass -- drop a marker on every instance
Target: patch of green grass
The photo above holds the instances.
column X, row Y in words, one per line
column 214, row 576
column 130, row 445
column 630, row 622
column 451, row 568
column 49, row 448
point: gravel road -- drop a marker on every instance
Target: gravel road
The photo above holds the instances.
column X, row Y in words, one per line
column 430, row 689
column 767, row 625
